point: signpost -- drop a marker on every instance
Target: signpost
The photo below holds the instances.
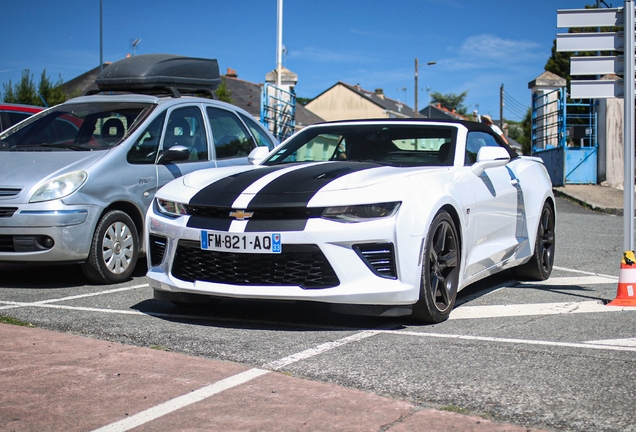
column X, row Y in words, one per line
column 600, row 89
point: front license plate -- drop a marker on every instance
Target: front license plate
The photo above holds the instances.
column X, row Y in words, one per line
column 242, row 242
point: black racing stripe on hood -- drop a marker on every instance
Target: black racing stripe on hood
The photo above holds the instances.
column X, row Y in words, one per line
column 223, row 192
column 296, row 188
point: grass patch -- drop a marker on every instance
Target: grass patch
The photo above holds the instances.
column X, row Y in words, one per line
column 159, row 348
column 13, row 321
column 455, row 409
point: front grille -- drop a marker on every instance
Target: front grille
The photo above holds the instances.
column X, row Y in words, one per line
column 7, row 211
column 9, row 192
column 275, row 213
column 157, row 249
column 379, row 257
column 297, row 265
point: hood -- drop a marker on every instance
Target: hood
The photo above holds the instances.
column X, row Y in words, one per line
column 292, row 185
column 24, row 170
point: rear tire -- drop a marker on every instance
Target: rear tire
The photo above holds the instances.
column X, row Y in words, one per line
column 114, row 249
column 540, row 265
column 440, row 272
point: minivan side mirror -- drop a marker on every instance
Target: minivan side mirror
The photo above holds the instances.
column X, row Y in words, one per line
column 490, row 157
column 257, row 155
column 176, row 153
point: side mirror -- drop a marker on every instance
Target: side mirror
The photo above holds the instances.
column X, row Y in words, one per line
column 257, row 155
column 176, row 153
column 490, row 157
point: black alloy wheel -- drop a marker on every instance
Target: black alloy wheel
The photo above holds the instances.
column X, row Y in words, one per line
column 440, row 271
column 540, row 265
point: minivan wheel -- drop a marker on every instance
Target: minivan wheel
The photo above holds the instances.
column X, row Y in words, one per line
column 114, row 249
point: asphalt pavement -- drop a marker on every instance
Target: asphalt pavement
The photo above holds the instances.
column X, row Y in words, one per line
column 58, row 381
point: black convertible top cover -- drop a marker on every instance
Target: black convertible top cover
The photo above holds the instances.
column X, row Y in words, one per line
column 155, row 72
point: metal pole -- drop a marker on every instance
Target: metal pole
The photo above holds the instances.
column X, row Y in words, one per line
column 629, row 76
column 101, row 38
column 279, row 45
column 415, row 104
column 501, row 107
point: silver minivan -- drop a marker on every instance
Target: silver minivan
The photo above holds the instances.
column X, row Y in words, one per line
column 76, row 180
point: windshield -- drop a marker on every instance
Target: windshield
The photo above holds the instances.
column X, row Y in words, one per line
column 388, row 144
column 86, row 126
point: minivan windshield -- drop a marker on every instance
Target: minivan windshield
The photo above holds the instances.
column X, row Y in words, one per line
column 81, row 126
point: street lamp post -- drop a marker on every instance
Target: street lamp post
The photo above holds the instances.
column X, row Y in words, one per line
column 417, row 68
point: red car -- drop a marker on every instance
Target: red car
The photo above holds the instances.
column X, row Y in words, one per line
column 11, row 114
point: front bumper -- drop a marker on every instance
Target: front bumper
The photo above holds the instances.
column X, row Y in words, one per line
column 48, row 232
column 356, row 282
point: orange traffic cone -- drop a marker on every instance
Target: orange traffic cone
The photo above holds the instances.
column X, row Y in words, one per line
column 626, row 295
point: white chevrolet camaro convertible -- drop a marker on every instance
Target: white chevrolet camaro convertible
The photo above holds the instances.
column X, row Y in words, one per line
column 375, row 217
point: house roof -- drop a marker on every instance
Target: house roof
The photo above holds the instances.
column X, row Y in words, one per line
column 80, row 84
column 247, row 95
column 439, row 112
column 376, row 97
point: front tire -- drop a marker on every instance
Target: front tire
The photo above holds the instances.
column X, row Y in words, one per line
column 114, row 249
column 440, row 271
column 540, row 265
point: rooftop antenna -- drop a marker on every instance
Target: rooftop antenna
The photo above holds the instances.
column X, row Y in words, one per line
column 134, row 45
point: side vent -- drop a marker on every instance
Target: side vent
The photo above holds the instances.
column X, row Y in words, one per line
column 379, row 257
column 157, row 249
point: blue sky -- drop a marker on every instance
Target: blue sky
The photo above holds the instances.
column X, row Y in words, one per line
column 478, row 46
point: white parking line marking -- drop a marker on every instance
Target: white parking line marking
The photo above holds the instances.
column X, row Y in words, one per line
column 630, row 342
column 591, row 345
column 584, row 272
column 13, row 305
column 496, row 311
column 574, row 281
column 225, row 384
column 279, row 364
column 182, row 401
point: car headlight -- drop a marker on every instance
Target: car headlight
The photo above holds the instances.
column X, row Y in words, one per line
column 60, row 187
column 361, row 213
column 170, row 208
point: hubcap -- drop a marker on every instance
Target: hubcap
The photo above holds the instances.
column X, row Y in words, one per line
column 442, row 265
column 117, row 247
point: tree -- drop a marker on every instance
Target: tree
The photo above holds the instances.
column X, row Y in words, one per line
column 525, row 139
column 52, row 94
column 303, row 100
column 24, row 92
column 223, row 93
column 451, row 101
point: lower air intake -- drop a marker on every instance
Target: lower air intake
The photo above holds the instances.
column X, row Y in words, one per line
column 297, row 265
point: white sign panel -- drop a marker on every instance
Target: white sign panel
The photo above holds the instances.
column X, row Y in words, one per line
column 590, row 18
column 597, row 89
column 600, row 65
column 572, row 42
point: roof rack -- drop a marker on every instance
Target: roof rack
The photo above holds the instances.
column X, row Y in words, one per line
column 160, row 73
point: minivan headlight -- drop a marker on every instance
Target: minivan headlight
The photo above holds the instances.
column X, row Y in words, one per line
column 60, row 187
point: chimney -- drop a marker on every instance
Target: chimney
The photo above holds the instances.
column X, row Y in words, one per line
column 231, row 73
column 379, row 93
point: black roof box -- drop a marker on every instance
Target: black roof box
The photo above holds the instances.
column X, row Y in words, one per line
column 152, row 73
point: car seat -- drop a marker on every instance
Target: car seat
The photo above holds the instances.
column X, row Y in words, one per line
column 445, row 155
column 112, row 131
